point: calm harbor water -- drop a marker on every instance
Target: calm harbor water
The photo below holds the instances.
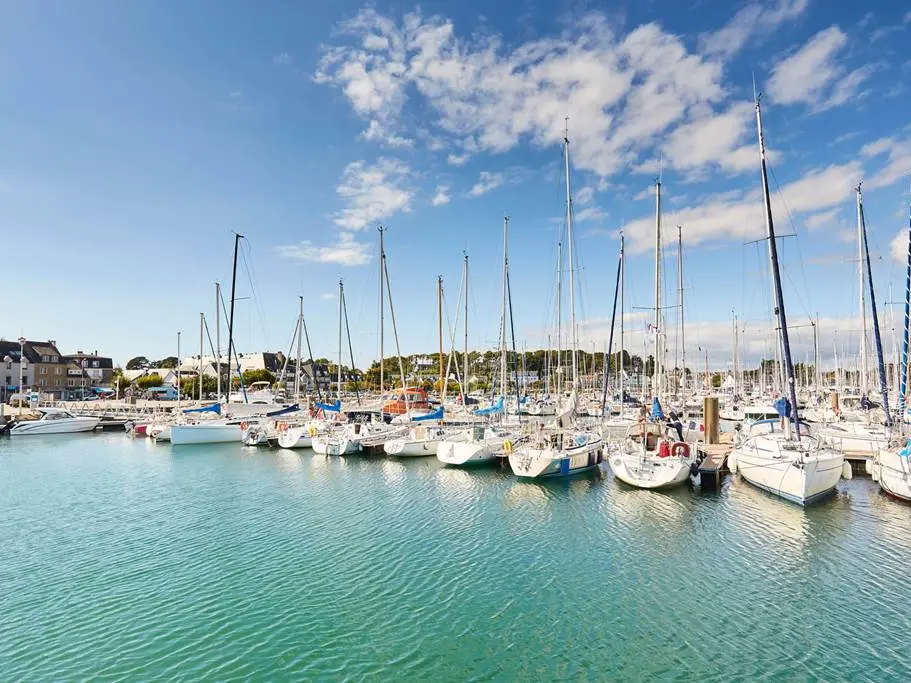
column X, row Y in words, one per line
column 125, row 560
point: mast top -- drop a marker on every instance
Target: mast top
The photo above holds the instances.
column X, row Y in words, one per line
column 566, row 130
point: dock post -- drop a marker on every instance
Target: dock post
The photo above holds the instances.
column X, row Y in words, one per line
column 710, row 419
column 834, row 400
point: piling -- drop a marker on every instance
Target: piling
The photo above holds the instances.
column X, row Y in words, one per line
column 833, row 397
column 710, row 419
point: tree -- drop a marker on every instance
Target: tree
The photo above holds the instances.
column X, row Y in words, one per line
column 189, row 386
column 138, row 363
column 170, row 362
column 251, row 376
column 148, row 381
column 119, row 379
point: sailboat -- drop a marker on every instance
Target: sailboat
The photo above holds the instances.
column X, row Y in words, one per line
column 484, row 443
column 864, row 436
column 562, row 449
column 891, row 467
column 784, row 459
column 645, row 458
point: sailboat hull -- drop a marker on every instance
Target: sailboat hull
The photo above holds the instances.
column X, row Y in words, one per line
column 801, row 478
column 650, row 471
column 893, row 473
column 205, row 433
column 533, row 463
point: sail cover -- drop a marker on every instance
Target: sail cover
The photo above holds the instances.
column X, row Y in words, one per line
column 213, row 408
column 492, row 410
column 330, row 407
column 434, row 415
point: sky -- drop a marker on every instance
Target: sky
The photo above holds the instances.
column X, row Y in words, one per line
column 137, row 137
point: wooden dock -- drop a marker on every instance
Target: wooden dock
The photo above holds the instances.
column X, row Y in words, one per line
column 714, row 461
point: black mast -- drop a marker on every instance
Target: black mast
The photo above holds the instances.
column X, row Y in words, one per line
column 237, row 238
column 776, row 276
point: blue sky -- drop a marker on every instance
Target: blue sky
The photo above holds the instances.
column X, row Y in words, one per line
column 137, row 136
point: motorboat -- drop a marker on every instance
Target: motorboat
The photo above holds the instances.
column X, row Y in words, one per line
column 55, row 421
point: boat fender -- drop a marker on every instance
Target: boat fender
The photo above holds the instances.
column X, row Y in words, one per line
column 311, row 430
column 868, row 467
column 680, row 450
column 282, row 426
column 732, row 462
column 243, row 425
column 507, row 446
column 664, row 449
column 846, row 472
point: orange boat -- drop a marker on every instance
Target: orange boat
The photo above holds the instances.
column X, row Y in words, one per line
column 417, row 400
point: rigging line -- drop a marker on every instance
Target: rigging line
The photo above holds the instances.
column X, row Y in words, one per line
column 256, row 302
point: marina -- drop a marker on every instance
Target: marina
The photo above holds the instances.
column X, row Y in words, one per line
column 142, row 560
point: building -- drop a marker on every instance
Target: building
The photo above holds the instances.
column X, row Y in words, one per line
column 89, row 370
column 50, row 372
column 10, row 367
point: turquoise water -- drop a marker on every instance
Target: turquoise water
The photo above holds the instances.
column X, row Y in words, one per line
column 125, row 560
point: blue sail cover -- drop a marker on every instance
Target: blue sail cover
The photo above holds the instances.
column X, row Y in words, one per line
column 657, row 412
column 284, row 411
column 435, row 415
column 330, row 407
column 214, row 408
column 494, row 409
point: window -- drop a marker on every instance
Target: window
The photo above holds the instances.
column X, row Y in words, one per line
column 54, row 359
column 58, row 371
column 9, row 380
column 56, row 382
column 42, row 371
column 96, row 364
column 45, row 359
column 42, row 382
column 70, row 383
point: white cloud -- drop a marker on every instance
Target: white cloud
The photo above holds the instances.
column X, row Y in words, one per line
column 898, row 165
column 458, row 159
column 282, row 59
column 885, row 31
column 590, row 213
column 818, row 220
column 740, row 216
column 441, row 197
column 715, row 139
column 621, row 92
column 487, row 181
column 899, row 246
column 813, row 75
column 345, row 252
column 584, row 196
column 376, row 132
column 373, row 192
column 756, row 19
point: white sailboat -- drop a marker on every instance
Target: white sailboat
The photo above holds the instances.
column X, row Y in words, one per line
column 646, row 458
column 419, row 440
column 787, row 461
column 562, row 449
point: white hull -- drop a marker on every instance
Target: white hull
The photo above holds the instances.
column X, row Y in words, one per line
column 469, row 452
column 206, row 433
column 411, row 449
column 295, row 437
column 893, row 473
column 648, row 471
column 161, row 434
column 70, row 425
column 801, row 474
column 855, row 438
column 533, row 462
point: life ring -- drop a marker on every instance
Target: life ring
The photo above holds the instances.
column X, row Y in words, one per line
column 243, row 425
column 282, row 426
column 311, row 430
column 680, row 450
column 507, row 446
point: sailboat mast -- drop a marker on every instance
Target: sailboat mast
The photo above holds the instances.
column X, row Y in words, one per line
column 178, row 372
column 776, row 276
column 903, row 378
column 465, row 387
column 503, row 308
column 622, row 309
column 341, row 294
column 680, row 289
column 237, row 238
column 817, row 370
column 202, row 322
column 297, row 364
column 218, row 339
column 440, row 325
column 656, row 369
column 572, row 260
column 864, row 371
column 877, row 337
column 381, row 230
